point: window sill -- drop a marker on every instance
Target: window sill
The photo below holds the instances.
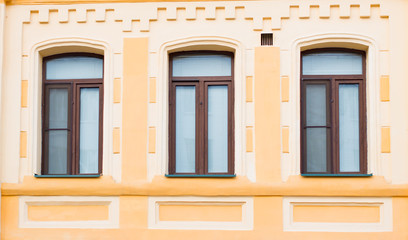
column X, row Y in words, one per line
column 200, row 176
column 336, row 175
column 68, row 176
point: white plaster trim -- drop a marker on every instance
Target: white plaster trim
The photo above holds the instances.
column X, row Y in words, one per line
column 112, row 202
column 385, row 224
column 162, row 97
column 246, row 222
column 372, row 96
column 34, row 93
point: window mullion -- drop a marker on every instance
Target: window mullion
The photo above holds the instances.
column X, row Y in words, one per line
column 172, row 124
column 230, row 129
column 335, row 123
column 73, row 119
column 363, row 127
column 202, row 134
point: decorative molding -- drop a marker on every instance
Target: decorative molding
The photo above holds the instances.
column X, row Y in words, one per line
column 116, row 140
column 23, row 144
column 24, row 93
column 285, row 139
column 246, row 223
column 385, row 139
column 249, row 89
column 385, row 88
column 111, row 202
column 258, row 12
column 384, row 225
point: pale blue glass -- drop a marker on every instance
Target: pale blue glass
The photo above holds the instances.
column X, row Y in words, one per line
column 58, row 108
column 217, row 129
column 185, row 129
column 316, row 149
column 332, row 63
column 74, row 68
column 57, row 151
column 89, row 130
column 315, row 105
column 349, row 128
column 201, row 65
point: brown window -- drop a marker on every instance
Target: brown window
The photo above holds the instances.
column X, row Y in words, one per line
column 201, row 113
column 72, row 114
column 333, row 112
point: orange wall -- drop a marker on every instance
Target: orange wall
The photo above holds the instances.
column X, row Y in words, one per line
column 133, row 225
column 267, row 113
column 135, row 100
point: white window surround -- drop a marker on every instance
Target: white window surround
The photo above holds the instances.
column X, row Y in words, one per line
column 352, row 41
column 200, row 43
column 57, row 46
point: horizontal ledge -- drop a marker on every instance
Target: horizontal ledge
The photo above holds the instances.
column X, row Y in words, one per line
column 160, row 185
column 335, row 175
column 67, row 176
column 201, row 176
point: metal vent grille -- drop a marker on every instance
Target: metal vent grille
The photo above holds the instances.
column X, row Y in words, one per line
column 266, row 39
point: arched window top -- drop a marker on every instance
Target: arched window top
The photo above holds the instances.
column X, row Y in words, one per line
column 198, row 63
column 332, row 62
column 74, row 66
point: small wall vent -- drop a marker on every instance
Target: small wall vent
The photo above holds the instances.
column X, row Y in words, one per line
column 266, row 39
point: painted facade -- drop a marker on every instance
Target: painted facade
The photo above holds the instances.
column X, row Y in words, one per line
column 268, row 198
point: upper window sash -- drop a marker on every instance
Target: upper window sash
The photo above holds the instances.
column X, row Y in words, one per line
column 74, row 67
column 203, row 65
column 332, row 63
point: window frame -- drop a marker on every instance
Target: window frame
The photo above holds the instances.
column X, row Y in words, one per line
column 332, row 110
column 73, row 142
column 201, row 144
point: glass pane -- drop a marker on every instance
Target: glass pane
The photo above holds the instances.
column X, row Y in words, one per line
column 89, row 130
column 74, row 68
column 349, row 128
column 316, row 149
column 201, row 65
column 58, row 112
column 57, row 151
column 331, row 63
column 316, row 105
column 185, row 129
column 217, row 128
